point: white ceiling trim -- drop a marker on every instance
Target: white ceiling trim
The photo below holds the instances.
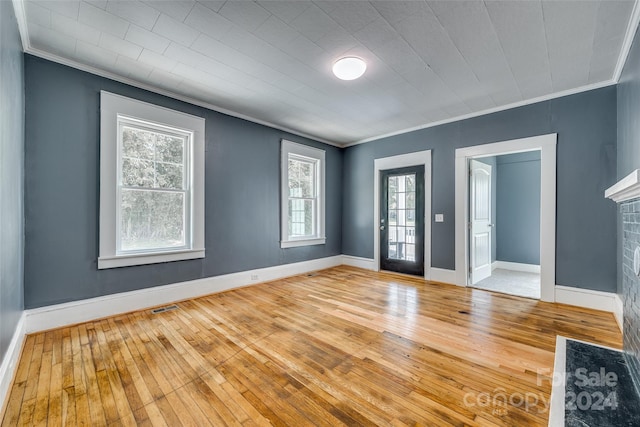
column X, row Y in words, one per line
column 491, row 110
column 170, row 94
column 628, row 41
column 21, row 17
column 632, row 26
column 26, row 46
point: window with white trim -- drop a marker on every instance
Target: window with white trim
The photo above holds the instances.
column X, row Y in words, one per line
column 151, row 183
column 302, row 195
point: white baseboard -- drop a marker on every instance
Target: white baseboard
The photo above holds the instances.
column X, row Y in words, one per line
column 556, row 409
column 54, row 316
column 10, row 362
column 442, row 275
column 356, row 261
column 618, row 311
column 596, row 300
column 58, row 315
column 516, row 266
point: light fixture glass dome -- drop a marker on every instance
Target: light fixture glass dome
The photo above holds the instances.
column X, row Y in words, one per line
column 349, row 68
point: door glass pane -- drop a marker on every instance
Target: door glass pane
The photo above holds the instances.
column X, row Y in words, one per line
column 393, row 217
column 411, row 200
column 401, row 209
column 393, row 251
column 393, row 184
column 410, row 252
column 393, row 201
column 410, row 235
column 401, row 217
column 410, row 183
column 392, row 234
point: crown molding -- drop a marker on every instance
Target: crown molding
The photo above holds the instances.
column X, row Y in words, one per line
column 170, row 94
column 624, row 53
column 548, row 97
column 630, row 34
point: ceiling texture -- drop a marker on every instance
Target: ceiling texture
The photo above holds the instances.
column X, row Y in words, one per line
column 270, row 61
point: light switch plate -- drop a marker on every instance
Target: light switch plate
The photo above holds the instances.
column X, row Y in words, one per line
column 439, row 217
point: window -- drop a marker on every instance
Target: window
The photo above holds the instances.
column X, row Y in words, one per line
column 151, row 183
column 302, row 195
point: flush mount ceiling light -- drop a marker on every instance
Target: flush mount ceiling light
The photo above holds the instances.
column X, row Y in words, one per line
column 349, row 68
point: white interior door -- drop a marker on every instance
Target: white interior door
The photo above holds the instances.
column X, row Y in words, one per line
column 480, row 219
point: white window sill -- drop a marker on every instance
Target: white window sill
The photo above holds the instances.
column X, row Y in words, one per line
column 148, row 258
column 305, row 242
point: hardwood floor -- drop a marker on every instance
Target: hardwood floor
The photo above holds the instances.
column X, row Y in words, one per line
column 340, row 347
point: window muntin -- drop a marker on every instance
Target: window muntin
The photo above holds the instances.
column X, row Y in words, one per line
column 154, row 194
column 302, row 195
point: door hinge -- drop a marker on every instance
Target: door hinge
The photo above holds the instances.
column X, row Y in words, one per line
column 469, row 225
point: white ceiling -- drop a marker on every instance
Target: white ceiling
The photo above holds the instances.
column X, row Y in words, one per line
column 270, row 61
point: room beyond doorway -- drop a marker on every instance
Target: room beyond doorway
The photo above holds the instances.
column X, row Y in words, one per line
column 504, row 223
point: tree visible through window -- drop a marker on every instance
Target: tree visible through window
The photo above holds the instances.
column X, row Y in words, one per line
column 154, row 192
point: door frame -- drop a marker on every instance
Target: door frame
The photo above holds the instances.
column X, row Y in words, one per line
column 546, row 144
column 419, row 158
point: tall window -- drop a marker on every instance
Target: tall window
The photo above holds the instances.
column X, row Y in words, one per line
column 154, row 199
column 151, row 184
column 302, row 195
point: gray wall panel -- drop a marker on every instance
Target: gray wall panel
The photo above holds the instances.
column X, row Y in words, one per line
column 518, row 208
column 586, row 124
column 241, row 194
column 628, row 153
column 11, row 175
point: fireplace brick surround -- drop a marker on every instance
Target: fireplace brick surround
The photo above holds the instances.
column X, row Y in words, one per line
column 630, row 294
column 626, row 193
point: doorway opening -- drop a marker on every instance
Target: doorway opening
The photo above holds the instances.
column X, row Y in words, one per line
column 546, row 146
column 504, row 223
column 402, row 209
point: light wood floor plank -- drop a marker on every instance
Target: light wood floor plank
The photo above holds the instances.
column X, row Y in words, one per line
column 342, row 346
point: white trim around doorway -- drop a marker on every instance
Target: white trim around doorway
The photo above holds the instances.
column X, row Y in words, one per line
column 403, row 160
column 547, row 146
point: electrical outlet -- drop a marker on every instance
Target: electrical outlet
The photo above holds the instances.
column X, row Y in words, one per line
column 254, row 277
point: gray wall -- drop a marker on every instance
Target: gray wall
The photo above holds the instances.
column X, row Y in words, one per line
column 61, row 192
column 586, row 154
column 628, row 152
column 518, row 208
column 11, row 175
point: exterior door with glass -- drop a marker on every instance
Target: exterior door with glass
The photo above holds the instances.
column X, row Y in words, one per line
column 402, row 220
